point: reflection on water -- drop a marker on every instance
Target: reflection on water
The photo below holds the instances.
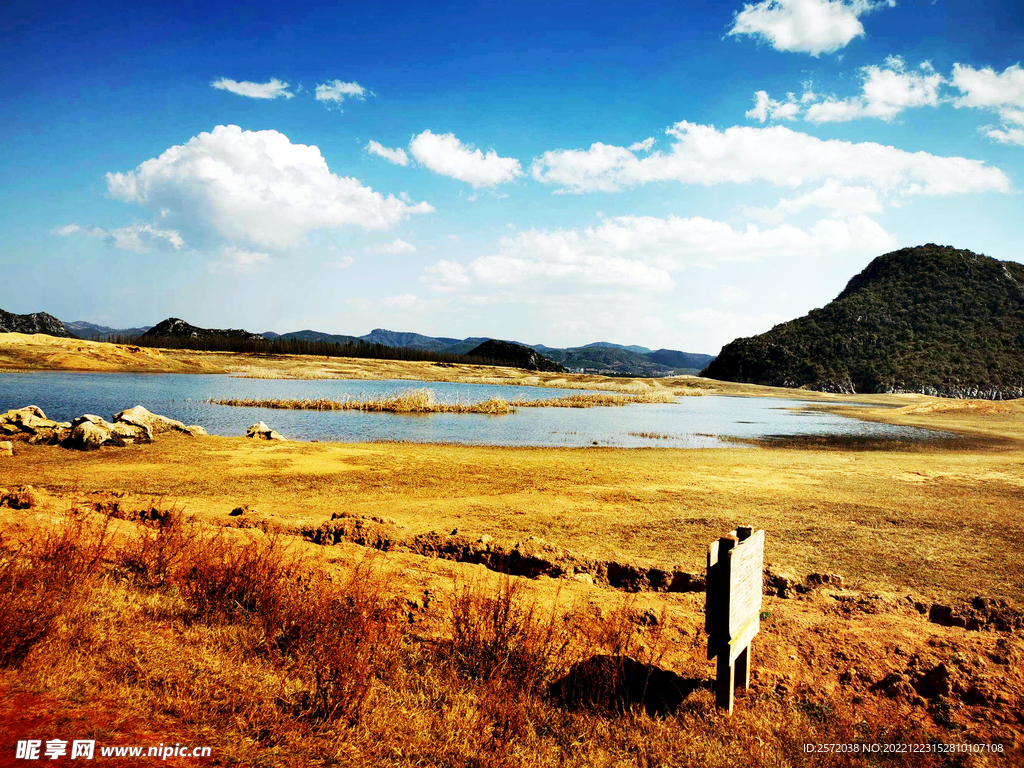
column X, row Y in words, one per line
column 692, row 422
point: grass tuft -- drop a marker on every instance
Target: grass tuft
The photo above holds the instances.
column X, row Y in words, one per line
column 416, row 401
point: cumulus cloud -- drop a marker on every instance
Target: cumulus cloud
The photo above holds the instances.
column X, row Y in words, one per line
column 886, row 92
column 444, row 154
column 642, row 146
column 805, row 26
column 272, row 89
column 642, row 252
column 999, row 92
column 835, row 198
column 1013, row 136
column 987, row 89
column 702, row 154
column 766, row 108
column 334, row 92
column 396, row 247
column 137, row 238
column 396, row 156
column 235, row 260
column 255, row 187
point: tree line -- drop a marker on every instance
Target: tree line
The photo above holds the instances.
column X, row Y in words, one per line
column 357, row 348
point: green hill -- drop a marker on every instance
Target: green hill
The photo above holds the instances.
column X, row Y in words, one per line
column 514, row 355
column 932, row 319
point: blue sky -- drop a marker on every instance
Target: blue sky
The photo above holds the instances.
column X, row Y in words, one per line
column 666, row 174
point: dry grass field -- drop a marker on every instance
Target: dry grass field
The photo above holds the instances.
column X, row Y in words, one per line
column 138, row 609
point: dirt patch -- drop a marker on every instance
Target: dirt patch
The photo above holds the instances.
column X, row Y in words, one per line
column 531, row 558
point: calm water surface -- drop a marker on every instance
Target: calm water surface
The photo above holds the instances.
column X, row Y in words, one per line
column 692, row 422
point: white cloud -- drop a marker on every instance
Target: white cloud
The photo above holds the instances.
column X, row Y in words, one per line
column 999, row 92
column 255, row 187
column 1013, row 136
column 336, row 91
column 446, row 155
column 885, row 93
column 344, row 262
column 766, row 108
column 988, row 89
column 137, row 238
column 272, row 89
column 642, row 146
column 396, row 247
column 805, row 26
column 833, row 197
column 701, row 154
column 396, row 156
column 235, row 260
column 642, row 252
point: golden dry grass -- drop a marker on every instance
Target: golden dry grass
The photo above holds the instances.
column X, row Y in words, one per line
column 141, row 656
column 23, row 352
column 426, row 401
column 276, row 656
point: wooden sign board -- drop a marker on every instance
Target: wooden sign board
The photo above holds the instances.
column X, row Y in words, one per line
column 733, row 612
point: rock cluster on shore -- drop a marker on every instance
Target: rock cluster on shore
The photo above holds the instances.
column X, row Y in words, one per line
column 88, row 431
column 260, row 431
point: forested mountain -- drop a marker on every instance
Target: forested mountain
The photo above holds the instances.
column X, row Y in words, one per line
column 932, row 319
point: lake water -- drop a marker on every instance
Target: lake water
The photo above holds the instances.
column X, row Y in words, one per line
column 692, row 422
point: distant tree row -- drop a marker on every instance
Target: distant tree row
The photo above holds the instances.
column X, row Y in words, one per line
column 359, row 349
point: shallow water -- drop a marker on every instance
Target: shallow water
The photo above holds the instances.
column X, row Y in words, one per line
column 692, row 422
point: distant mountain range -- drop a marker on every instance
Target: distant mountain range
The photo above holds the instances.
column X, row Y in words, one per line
column 84, row 330
column 598, row 357
column 932, row 319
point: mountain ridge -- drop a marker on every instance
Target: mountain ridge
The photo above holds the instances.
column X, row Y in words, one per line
column 932, row 319
column 597, row 357
column 36, row 322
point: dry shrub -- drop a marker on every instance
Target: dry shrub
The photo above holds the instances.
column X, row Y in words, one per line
column 41, row 579
column 163, row 542
column 497, row 634
column 228, row 579
column 338, row 636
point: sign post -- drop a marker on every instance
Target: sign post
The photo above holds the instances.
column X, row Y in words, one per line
column 733, row 611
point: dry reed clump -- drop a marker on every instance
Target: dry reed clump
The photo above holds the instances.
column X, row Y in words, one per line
column 416, row 401
column 409, row 401
column 41, row 579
